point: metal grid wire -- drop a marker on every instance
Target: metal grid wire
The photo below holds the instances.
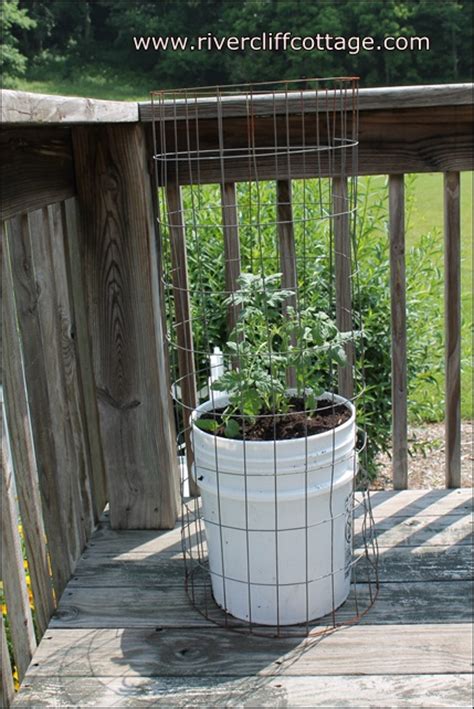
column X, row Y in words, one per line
column 257, row 188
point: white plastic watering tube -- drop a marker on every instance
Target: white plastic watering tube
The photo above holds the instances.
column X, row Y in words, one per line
column 278, row 518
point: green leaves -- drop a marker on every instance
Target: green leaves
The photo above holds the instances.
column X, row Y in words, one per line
column 210, row 425
column 270, row 339
column 232, row 429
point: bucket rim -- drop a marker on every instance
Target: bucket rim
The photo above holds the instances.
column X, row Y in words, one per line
column 281, row 442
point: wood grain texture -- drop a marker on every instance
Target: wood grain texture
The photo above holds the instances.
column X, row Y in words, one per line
column 183, row 320
column 408, row 531
column 8, row 689
column 343, row 286
column 26, row 107
column 394, row 97
column 63, row 543
column 452, row 314
column 168, row 606
column 58, row 350
column 68, row 363
column 391, row 141
column 214, row 651
column 13, row 573
column 287, row 252
column 379, row 691
column 37, row 168
column 118, row 241
column 230, row 222
column 127, row 635
column 399, row 332
column 86, row 390
column 419, row 503
column 409, row 564
column 24, row 457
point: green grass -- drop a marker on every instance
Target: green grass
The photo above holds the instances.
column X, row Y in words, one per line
column 101, row 83
column 425, row 213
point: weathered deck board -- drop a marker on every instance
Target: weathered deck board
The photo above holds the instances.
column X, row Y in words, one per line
column 125, row 633
column 166, row 605
column 444, row 529
column 434, row 690
column 211, row 651
column 424, row 563
column 407, row 503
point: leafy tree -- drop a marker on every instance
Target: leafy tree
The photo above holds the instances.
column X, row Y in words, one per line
column 97, row 36
column 12, row 61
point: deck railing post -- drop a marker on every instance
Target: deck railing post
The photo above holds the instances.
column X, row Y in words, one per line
column 286, row 245
column 230, row 220
column 452, row 312
column 118, row 238
column 342, row 248
column 399, row 331
column 13, row 572
column 24, row 456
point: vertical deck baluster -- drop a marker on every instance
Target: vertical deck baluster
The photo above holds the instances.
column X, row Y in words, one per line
column 452, row 305
column 72, row 246
column 24, row 457
column 8, row 688
column 399, row 331
column 230, row 220
column 342, row 247
column 13, row 572
column 286, row 242
column 63, row 548
column 184, row 334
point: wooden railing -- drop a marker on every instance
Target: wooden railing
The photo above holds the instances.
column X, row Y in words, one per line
column 85, row 380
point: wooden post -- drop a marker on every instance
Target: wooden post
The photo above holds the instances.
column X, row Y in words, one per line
column 452, row 310
column 56, row 321
column 24, row 459
column 399, row 334
column 184, row 332
column 8, row 688
column 71, row 242
column 286, row 242
column 118, row 241
column 230, row 220
column 13, row 572
column 342, row 247
column 57, row 493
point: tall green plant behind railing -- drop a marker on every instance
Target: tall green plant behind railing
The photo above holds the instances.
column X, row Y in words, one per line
column 371, row 292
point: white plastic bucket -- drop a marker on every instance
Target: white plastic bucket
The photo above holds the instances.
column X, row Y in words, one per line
column 278, row 518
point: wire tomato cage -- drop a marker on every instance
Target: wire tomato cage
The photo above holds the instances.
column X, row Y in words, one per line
column 257, row 213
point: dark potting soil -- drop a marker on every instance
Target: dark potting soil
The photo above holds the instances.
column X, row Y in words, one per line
column 297, row 423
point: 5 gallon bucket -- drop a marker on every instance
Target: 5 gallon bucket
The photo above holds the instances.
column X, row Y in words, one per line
column 278, row 518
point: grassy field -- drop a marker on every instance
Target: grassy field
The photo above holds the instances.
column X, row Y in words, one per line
column 99, row 84
column 425, row 213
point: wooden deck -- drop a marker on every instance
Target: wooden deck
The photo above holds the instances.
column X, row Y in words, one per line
column 126, row 635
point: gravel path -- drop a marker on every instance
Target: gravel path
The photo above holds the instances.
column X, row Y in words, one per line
column 426, row 471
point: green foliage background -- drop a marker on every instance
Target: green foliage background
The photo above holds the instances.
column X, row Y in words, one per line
column 89, row 44
column 424, row 275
